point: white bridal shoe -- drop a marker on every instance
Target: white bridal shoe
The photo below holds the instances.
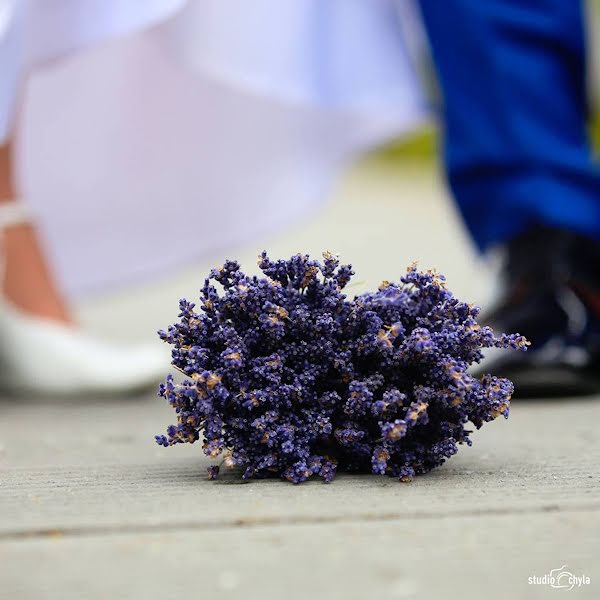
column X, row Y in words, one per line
column 42, row 357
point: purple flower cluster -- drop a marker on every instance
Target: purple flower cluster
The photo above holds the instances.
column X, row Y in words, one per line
column 285, row 376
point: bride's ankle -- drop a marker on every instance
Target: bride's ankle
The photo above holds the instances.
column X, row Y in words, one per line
column 28, row 282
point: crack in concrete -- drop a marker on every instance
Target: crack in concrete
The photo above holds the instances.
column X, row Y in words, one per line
column 266, row 521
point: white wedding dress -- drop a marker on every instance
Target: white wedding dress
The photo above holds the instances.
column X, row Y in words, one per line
column 154, row 131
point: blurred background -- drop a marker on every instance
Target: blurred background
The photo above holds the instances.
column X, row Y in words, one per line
column 384, row 210
column 149, row 144
column 386, row 207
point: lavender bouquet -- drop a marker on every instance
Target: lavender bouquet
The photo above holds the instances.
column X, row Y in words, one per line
column 285, row 376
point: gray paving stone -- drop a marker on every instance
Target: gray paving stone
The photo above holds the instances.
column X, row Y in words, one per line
column 84, row 491
column 97, row 466
column 489, row 556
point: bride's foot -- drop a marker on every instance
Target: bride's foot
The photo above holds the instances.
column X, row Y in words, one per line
column 41, row 352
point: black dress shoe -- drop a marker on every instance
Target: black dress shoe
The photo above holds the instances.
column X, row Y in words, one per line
column 552, row 297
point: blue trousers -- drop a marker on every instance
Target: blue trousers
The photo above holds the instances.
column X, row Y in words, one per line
column 516, row 149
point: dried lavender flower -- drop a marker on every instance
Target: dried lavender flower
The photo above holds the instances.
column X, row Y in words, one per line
column 289, row 378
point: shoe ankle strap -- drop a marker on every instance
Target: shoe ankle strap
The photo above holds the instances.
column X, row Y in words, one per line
column 14, row 212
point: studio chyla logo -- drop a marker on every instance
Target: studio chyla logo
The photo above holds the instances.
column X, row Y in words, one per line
column 560, row 579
